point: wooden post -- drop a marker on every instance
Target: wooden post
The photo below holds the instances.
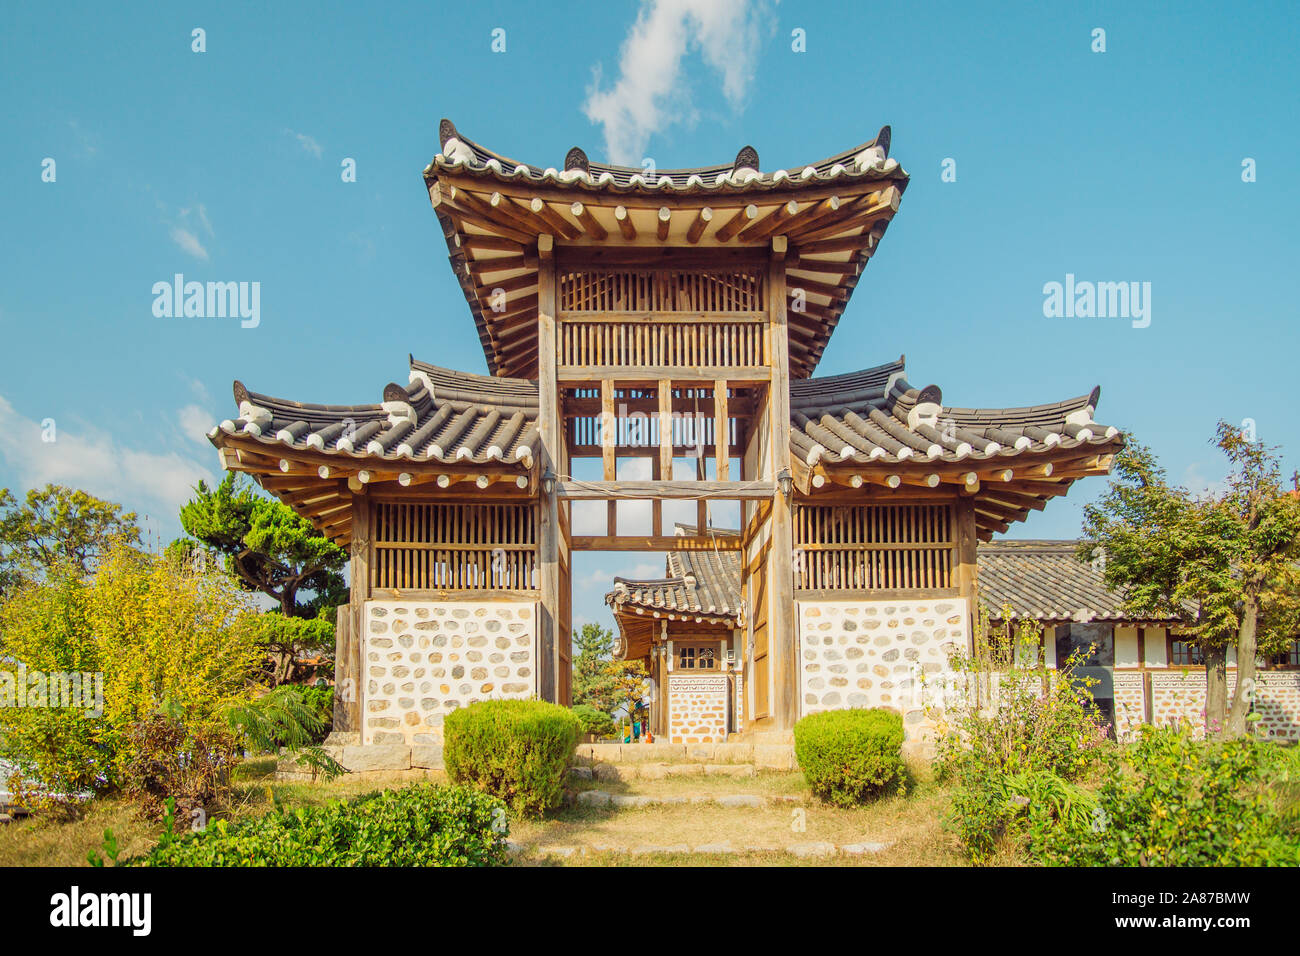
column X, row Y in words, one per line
column 548, row 427
column 349, row 631
column 608, row 428
column 665, row 440
column 784, row 639
column 721, row 442
column 966, row 569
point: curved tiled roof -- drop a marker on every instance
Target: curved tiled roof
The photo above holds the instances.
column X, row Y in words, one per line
column 870, row 160
column 1045, row 581
column 442, row 415
column 699, row 585
column 875, row 415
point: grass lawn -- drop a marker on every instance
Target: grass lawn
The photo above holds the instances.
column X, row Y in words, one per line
column 910, row 825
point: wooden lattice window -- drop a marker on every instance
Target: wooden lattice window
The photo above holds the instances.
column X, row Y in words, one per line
column 663, row 318
column 454, row 547
column 873, row 547
column 1185, row 654
column 659, row 290
column 697, row 657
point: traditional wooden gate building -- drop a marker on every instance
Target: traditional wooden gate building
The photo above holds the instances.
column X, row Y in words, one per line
column 655, row 315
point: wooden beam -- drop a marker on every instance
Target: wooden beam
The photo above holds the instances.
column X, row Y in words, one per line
column 624, row 221
column 769, row 224
column 543, row 211
column 676, row 490
column 670, row 542
column 737, row 222
column 589, row 223
column 665, row 218
column 701, row 222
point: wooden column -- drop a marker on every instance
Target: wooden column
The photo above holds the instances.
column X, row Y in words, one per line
column 784, row 639
column 721, row 443
column 665, row 470
column 608, row 428
column 548, row 518
column 965, row 568
column 351, row 622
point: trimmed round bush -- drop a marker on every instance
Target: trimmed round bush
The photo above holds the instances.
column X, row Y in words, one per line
column 517, row 750
column 421, row 825
column 595, row 721
column 849, row 756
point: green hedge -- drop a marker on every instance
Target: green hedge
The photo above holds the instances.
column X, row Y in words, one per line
column 422, row 825
column 518, row 750
column 848, row 756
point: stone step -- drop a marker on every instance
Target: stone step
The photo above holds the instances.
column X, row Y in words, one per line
column 817, row 849
column 763, row 755
column 612, row 773
column 633, row 801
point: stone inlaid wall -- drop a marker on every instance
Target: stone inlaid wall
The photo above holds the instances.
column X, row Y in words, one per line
column 1180, row 695
column 423, row 659
column 1278, row 704
column 880, row 654
column 697, row 709
column 1130, row 704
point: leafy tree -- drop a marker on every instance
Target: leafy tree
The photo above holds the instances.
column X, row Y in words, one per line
column 630, row 686
column 160, row 636
column 58, row 527
column 273, row 551
column 593, row 682
column 1225, row 561
column 265, row 544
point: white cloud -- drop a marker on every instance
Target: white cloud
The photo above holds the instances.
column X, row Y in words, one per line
column 189, row 242
column 1200, row 486
column 195, row 423
column 150, row 482
column 651, row 93
column 307, row 143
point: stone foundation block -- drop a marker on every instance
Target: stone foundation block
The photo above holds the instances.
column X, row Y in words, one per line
column 774, row 756
column 427, row 756
column 733, row 753
column 376, row 757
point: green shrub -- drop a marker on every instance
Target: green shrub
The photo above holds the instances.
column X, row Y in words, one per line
column 1177, row 801
column 1016, row 741
column 422, row 825
column 157, row 634
column 191, row 765
column 594, row 721
column 848, row 756
column 518, row 750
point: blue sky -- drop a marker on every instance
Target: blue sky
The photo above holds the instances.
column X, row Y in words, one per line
column 225, row 165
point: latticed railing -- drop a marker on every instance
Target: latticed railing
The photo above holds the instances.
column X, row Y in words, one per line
column 873, row 547
column 662, row 318
column 454, row 547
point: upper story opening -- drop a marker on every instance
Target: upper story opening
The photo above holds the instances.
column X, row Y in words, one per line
column 678, row 248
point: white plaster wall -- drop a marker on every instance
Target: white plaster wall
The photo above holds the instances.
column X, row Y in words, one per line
column 1157, row 653
column 1126, row 647
column 424, row 659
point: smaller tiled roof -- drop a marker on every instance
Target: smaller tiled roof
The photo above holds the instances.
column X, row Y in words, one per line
column 442, row 416
column 1045, row 581
column 699, row 584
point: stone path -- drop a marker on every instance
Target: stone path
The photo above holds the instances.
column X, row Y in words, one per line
column 602, row 798
column 804, row 850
